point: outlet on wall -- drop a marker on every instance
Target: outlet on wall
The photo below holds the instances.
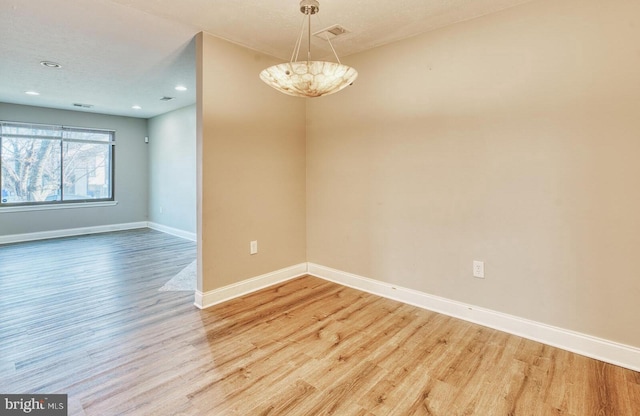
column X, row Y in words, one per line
column 253, row 247
column 478, row 269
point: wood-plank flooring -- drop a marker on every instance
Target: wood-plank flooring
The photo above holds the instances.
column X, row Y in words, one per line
column 83, row 316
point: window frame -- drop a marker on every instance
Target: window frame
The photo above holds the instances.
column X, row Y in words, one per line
column 111, row 143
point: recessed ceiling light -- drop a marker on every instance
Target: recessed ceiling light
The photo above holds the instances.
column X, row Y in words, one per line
column 136, row 107
column 32, row 92
column 181, row 88
column 50, row 64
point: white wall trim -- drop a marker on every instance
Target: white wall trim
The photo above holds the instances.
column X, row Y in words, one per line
column 54, row 206
column 173, row 231
column 213, row 297
column 69, row 232
column 598, row 348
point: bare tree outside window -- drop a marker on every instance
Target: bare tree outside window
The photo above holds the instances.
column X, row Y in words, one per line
column 54, row 164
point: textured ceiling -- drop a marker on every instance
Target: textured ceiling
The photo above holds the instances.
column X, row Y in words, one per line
column 120, row 53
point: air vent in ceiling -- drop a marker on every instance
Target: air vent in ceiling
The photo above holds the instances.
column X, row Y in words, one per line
column 165, row 98
column 82, row 105
column 331, row 32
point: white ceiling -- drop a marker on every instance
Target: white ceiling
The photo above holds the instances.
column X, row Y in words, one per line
column 119, row 53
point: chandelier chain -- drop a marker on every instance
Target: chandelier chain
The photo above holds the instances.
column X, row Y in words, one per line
column 296, row 48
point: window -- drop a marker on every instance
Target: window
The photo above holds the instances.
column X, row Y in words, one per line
column 42, row 164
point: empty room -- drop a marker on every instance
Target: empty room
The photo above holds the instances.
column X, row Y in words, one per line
column 216, row 207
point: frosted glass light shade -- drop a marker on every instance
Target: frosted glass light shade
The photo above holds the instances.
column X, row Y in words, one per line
column 309, row 78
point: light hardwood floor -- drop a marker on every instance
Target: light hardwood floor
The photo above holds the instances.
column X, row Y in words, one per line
column 83, row 316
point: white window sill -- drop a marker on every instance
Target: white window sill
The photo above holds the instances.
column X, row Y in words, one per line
column 25, row 208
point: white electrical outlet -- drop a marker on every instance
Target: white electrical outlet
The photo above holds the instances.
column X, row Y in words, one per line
column 478, row 269
column 253, row 247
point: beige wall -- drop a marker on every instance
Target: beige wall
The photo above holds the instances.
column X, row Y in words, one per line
column 251, row 167
column 512, row 139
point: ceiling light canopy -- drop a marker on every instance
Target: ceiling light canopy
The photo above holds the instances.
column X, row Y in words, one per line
column 309, row 78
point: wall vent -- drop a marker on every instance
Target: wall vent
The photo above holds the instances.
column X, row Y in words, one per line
column 331, row 32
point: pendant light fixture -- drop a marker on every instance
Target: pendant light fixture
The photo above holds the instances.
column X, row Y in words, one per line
column 309, row 78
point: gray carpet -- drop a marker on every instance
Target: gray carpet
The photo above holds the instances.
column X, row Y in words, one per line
column 185, row 280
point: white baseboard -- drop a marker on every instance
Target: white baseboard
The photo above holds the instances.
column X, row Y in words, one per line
column 587, row 345
column 173, row 231
column 70, row 232
column 598, row 348
column 213, row 297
